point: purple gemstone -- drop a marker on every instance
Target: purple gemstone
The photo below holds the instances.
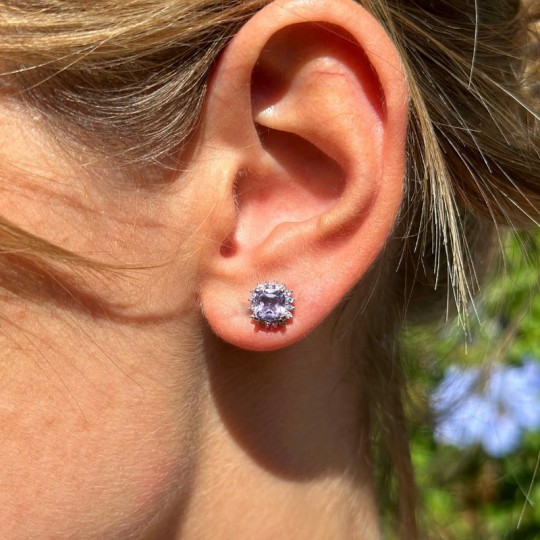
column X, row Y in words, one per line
column 271, row 304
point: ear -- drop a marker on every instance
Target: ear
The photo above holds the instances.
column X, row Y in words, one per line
column 300, row 162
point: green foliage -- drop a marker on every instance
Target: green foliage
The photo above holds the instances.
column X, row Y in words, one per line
column 467, row 494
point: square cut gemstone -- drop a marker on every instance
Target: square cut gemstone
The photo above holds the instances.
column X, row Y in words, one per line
column 271, row 304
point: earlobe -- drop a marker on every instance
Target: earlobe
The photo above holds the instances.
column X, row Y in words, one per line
column 306, row 114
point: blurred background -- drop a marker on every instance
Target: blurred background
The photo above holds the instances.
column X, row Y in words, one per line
column 474, row 408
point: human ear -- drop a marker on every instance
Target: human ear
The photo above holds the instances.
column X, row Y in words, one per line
column 300, row 161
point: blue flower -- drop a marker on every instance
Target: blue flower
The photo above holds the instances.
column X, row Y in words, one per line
column 491, row 408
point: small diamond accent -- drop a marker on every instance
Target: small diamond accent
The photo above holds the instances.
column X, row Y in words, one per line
column 271, row 304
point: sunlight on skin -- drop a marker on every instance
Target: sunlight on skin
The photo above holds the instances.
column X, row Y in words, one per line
column 125, row 416
column 107, row 420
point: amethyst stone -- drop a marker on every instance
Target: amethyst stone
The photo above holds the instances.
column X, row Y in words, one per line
column 271, row 304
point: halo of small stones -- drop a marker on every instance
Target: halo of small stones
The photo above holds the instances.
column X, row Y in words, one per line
column 289, row 301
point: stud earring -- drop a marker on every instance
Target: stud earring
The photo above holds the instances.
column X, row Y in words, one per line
column 271, row 304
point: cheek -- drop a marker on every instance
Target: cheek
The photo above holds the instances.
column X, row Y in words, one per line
column 115, row 472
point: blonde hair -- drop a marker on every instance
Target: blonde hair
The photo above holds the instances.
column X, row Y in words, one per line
column 128, row 80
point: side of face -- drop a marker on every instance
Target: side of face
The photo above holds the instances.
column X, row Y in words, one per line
column 296, row 173
column 100, row 395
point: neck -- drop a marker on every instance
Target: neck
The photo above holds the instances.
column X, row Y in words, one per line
column 213, row 443
column 285, row 448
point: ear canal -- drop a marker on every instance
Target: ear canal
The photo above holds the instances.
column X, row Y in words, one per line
column 298, row 183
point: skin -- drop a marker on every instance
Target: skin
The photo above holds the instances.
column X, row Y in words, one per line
column 143, row 403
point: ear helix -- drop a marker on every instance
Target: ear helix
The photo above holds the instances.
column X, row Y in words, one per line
column 271, row 304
